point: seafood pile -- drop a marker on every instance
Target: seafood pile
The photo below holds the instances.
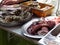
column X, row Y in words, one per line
column 16, row 16
column 40, row 27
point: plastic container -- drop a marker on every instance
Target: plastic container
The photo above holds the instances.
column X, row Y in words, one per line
column 44, row 10
column 51, row 37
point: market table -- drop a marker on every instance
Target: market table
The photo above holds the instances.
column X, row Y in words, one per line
column 18, row 30
column 15, row 31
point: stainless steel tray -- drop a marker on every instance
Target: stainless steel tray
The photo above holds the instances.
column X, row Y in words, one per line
column 24, row 28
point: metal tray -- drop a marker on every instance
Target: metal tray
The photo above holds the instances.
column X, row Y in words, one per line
column 24, row 28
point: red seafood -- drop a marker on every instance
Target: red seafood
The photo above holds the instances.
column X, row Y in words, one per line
column 43, row 31
column 57, row 20
column 33, row 29
column 40, row 27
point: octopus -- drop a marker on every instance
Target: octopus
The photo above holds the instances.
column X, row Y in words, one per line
column 40, row 27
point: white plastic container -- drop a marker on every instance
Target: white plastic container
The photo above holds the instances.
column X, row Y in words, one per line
column 51, row 36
